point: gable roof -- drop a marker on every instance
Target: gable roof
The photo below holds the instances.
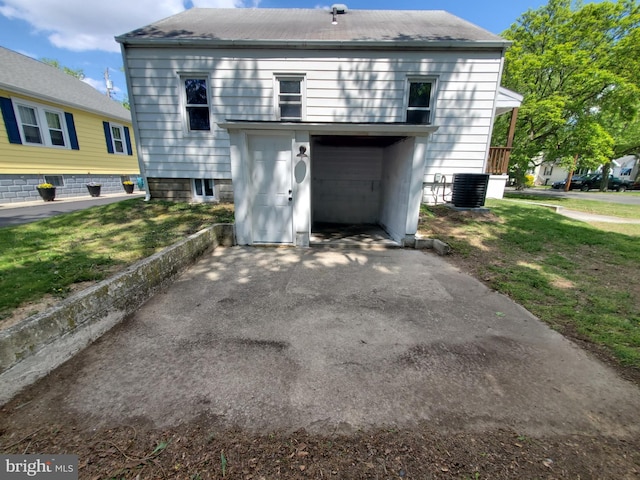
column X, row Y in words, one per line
column 24, row 75
column 313, row 28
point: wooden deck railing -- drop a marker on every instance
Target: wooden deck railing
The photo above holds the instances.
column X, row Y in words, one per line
column 498, row 163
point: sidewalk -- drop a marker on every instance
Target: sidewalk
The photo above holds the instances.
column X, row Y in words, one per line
column 57, row 201
column 590, row 217
column 12, row 214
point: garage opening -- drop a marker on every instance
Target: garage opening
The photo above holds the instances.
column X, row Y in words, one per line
column 359, row 188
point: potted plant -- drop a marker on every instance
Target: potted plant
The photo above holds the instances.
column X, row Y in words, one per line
column 46, row 191
column 94, row 189
column 128, row 186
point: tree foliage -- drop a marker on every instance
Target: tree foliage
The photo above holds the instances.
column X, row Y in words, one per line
column 78, row 73
column 578, row 69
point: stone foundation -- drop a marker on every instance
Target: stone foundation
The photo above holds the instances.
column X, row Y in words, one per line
column 22, row 188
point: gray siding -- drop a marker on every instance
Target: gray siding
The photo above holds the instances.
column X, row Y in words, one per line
column 345, row 88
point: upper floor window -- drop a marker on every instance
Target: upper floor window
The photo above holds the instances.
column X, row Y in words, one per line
column 196, row 101
column 547, row 170
column 40, row 125
column 290, row 97
column 421, row 97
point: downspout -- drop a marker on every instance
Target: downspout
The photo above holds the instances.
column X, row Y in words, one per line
column 136, row 132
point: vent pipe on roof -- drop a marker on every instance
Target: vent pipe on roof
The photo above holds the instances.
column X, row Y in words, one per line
column 339, row 8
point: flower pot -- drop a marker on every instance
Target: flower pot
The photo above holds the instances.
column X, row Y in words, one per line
column 47, row 194
column 128, row 187
column 94, row 190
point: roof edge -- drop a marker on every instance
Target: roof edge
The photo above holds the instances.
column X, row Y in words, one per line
column 317, row 44
column 333, row 128
column 46, row 98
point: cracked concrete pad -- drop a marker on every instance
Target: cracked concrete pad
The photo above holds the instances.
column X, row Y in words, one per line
column 281, row 338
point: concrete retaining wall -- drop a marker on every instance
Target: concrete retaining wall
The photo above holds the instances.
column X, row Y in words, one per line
column 42, row 342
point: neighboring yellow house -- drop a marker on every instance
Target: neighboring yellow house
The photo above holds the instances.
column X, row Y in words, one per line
column 57, row 129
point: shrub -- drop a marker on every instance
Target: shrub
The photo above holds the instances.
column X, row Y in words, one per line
column 529, row 180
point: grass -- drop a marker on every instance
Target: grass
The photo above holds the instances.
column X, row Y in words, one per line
column 589, row 206
column 582, row 280
column 51, row 256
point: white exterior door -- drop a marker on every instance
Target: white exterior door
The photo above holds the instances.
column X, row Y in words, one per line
column 271, row 186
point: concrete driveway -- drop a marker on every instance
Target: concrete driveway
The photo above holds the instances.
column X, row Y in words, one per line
column 336, row 340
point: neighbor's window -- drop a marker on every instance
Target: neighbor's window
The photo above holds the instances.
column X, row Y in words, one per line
column 117, row 138
column 420, row 101
column 40, row 125
column 203, row 189
column 196, row 99
column 548, row 171
column 290, row 97
column 55, row 180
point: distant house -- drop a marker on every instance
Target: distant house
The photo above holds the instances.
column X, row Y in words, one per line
column 308, row 116
column 57, row 129
column 627, row 168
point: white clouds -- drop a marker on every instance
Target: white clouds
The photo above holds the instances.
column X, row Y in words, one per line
column 97, row 84
column 80, row 25
column 100, row 85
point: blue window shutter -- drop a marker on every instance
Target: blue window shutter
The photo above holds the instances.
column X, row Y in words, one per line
column 9, row 116
column 71, row 128
column 127, row 137
column 107, row 136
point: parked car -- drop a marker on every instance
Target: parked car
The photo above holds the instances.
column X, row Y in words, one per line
column 576, row 181
column 592, row 181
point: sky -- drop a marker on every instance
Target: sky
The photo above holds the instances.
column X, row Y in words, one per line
column 79, row 34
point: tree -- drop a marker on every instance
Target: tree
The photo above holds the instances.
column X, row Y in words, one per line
column 78, row 73
column 577, row 67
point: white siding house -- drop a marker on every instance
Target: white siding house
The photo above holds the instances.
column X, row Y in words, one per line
column 309, row 116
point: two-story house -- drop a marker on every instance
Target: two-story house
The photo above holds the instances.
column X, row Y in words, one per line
column 308, row 116
column 54, row 128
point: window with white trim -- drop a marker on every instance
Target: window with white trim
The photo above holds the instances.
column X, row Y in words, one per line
column 195, row 93
column 204, row 189
column 548, row 170
column 117, row 139
column 290, row 97
column 420, row 101
column 41, row 125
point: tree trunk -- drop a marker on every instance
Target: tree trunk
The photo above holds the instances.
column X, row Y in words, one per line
column 604, row 183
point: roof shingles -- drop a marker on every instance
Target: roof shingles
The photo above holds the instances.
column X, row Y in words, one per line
column 312, row 25
column 22, row 74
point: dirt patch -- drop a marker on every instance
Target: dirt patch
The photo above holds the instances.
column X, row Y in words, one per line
column 200, row 450
column 32, row 308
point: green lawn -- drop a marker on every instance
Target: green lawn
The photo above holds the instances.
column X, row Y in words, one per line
column 589, row 206
column 50, row 256
column 579, row 278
